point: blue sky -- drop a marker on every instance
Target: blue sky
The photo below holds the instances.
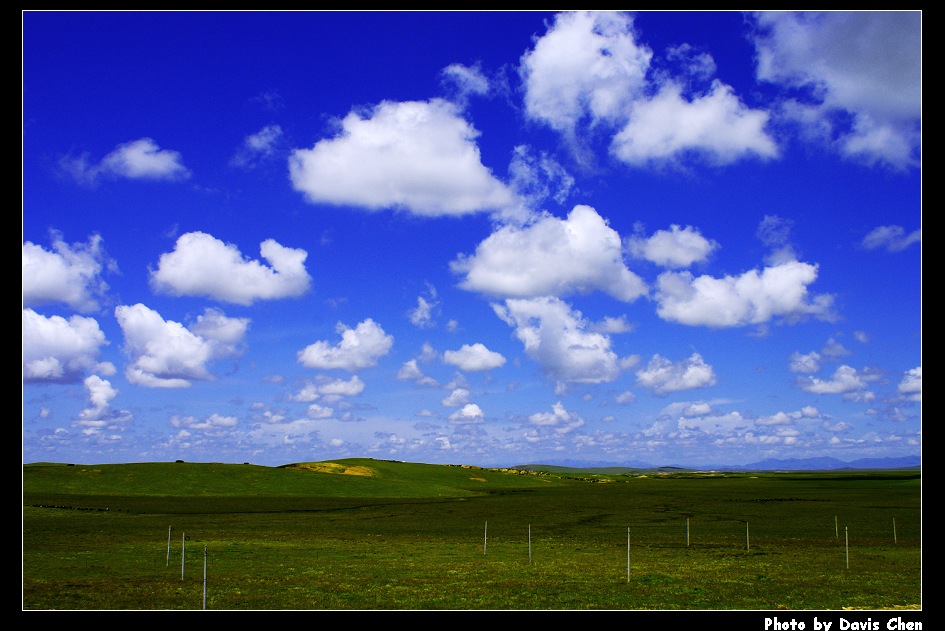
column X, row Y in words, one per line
column 488, row 238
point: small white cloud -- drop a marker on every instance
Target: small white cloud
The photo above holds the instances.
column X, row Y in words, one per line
column 663, row 376
column 359, row 348
column 459, row 396
column 845, row 380
column 911, row 385
column 676, row 247
column 467, row 80
column 257, row 147
column 474, row 357
column 809, row 363
column 469, row 413
column 891, row 238
column 138, row 159
column 212, row 422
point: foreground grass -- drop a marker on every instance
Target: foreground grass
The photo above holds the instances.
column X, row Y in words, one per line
column 454, row 538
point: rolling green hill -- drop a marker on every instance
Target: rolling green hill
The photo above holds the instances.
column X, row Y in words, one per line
column 351, row 477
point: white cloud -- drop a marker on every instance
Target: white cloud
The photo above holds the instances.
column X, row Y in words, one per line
column 474, row 357
column 844, row 381
column 556, row 337
column 809, row 363
column 100, row 417
column 891, row 238
column 341, row 387
column 316, row 410
column 697, row 409
column 68, row 275
column 60, row 350
column 663, row 376
column 138, row 159
column 778, row 418
column 586, row 65
column 330, row 389
column 459, row 396
column 257, row 147
column 551, row 256
column 863, row 63
column 588, row 70
column 165, row 354
column 559, row 418
column 416, row 156
column 359, row 348
column 212, row 422
column 611, row 324
column 716, row 126
column 224, row 333
column 467, row 80
column 779, row 291
column 535, row 178
column 422, row 315
column 676, row 247
column 625, row 398
column 410, row 371
column 722, row 424
column 469, row 413
column 911, row 385
column 202, row 265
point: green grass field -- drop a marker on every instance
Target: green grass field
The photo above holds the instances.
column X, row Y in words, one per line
column 363, row 534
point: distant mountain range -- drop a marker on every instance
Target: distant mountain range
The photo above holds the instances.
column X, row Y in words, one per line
column 768, row 464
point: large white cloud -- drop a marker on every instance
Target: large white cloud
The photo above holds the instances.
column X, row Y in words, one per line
column 551, row 256
column 417, row 156
column 165, row 354
column 557, row 338
column 69, row 275
column 202, row 265
column 59, row 350
column 779, row 291
column 359, row 348
column 588, row 74
column 867, row 64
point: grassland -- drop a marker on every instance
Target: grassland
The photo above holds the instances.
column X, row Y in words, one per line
column 363, row 534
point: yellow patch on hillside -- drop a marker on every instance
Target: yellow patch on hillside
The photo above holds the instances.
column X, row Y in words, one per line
column 478, row 479
column 334, row 467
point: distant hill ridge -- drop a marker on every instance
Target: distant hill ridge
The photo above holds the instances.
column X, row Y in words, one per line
column 768, row 464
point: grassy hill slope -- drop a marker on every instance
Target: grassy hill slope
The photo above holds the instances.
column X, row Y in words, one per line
column 351, row 477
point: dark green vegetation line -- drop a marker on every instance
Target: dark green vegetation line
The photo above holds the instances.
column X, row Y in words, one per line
column 374, row 534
